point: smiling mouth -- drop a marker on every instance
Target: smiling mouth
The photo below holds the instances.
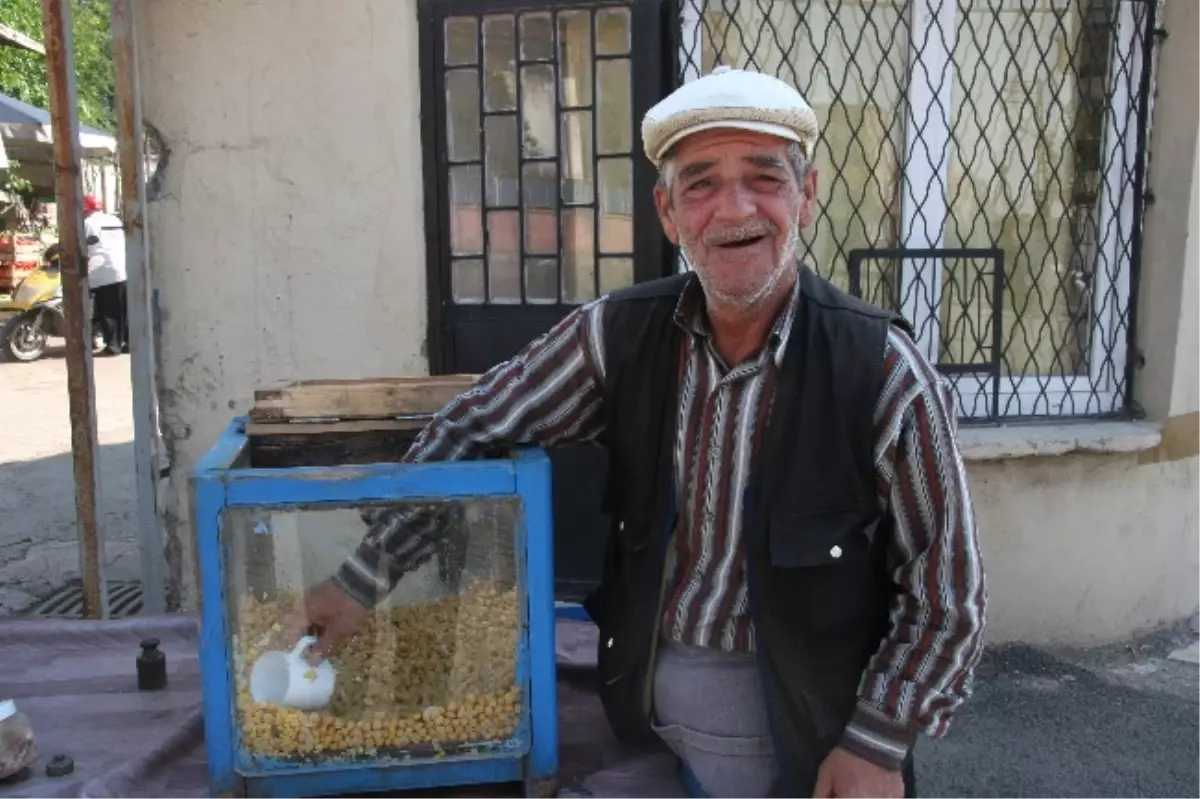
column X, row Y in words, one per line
column 742, row 243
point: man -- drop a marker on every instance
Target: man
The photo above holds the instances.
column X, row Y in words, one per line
column 793, row 588
column 105, row 237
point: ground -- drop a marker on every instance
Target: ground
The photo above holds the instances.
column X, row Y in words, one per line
column 1114, row 721
column 39, row 549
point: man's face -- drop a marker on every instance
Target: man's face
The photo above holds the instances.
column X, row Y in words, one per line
column 735, row 207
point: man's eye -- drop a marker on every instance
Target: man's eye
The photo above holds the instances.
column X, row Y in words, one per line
column 768, row 179
column 703, row 183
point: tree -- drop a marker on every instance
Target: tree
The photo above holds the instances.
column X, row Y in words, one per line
column 23, row 73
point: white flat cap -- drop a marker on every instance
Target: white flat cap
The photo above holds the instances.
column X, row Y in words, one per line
column 729, row 98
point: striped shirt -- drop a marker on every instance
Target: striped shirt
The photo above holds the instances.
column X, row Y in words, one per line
column 553, row 392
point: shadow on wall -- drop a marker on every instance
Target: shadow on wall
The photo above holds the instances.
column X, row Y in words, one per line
column 39, row 542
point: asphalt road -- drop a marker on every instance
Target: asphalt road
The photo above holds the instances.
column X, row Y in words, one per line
column 1116, row 722
column 39, row 549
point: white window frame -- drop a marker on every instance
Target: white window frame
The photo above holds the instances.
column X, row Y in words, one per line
column 924, row 211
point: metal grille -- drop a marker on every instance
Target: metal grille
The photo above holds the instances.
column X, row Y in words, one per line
column 1010, row 125
column 124, row 600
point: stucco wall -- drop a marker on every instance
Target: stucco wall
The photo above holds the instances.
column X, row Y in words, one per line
column 1086, row 549
column 287, row 235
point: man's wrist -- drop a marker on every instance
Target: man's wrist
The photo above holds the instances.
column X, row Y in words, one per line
column 350, row 578
column 877, row 740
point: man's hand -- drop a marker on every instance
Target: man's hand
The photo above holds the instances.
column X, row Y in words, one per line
column 334, row 613
column 844, row 774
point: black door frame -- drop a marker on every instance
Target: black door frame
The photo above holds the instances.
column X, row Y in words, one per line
column 653, row 58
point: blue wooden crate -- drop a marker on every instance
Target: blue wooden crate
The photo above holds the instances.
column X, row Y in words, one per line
column 225, row 483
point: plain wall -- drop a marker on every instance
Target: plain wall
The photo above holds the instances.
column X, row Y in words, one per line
column 1086, row 549
column 287, row 236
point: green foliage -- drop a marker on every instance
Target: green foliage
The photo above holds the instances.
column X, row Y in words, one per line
column 15, row 184
column 23, row 74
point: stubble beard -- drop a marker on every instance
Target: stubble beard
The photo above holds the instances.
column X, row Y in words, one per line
column 745, row 301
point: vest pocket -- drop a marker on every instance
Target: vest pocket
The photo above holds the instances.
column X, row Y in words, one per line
column 823, row 575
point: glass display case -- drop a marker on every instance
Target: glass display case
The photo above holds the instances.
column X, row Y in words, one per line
column 447, row 680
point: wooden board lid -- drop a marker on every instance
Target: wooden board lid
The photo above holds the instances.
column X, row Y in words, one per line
column 392, row 398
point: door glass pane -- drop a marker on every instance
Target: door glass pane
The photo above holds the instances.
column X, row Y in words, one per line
column 1026, row 157
column 500, row 135
column 614, row 133
column 541, row 280
column 537, row 37
column 612, row 31
column 579, row 262
column 540, row 188
column 616, row 205
column 462, row 40
column 615, row 273
column 577, row 157
column 466, row 281
column 462, row 114
column 575, row 57
column 466, row 220
column 504, row 259
column 537, row 108
column 500, row 63
column 853, row 70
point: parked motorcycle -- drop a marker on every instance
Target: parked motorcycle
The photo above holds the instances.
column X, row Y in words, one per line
column 39, row 302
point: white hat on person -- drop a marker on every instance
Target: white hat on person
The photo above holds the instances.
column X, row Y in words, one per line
column 729, row 98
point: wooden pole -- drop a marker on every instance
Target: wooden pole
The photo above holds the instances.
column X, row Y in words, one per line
column 68, row 190
column 141, row 340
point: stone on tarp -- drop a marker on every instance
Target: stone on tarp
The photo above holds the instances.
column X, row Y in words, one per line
column 18, row 747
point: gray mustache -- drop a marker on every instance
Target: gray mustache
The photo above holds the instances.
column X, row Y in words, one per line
column 751, row 230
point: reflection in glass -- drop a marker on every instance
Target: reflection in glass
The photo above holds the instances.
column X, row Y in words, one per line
column 612, row 31
column 462, row 39
column 537, row 37
column 504, row 262
column 462, row 114
column 616, row 205
column 537, row 110
column 499, row 64
column 500, row 137
column 579, row 261
column 576, row 157
column 614, row 134
column 466, row 221
column 575, row 57
column 466, row 281
column 539, row 187
column 541, row 280
column 458, row 616
column 615, row 273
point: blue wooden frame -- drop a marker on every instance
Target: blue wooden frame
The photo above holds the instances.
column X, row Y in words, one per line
column 220, row 481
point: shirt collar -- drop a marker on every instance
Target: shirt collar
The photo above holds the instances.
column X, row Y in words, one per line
column 690, row 316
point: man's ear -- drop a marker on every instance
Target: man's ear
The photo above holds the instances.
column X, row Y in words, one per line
column 808, row 201
column 662, row 202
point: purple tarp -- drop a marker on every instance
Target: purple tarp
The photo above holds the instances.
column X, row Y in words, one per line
column 77, row 683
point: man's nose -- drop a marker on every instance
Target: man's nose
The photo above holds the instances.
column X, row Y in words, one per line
column 735, row 203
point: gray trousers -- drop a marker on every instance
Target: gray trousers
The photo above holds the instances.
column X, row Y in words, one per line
column 709, row 710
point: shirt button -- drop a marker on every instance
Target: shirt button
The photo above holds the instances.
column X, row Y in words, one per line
column 610, row 643
column 836, row 552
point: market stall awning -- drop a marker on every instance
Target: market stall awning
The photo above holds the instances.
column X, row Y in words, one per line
column 22, row 123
